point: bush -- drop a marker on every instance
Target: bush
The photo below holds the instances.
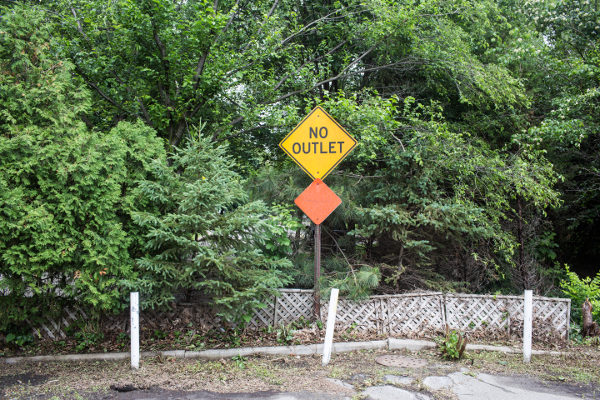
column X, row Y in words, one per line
column 66, row 193
column 208, row 236
column 454, row 345
column 578, row 290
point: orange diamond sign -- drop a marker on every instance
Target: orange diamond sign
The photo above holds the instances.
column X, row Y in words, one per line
column 318, row 201
column 318, row 144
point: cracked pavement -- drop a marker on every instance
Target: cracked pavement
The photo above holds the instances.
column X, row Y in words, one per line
column 466, row 385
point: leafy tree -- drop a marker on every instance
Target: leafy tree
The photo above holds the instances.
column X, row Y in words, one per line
column 247, row 68
column 555, row 50
column 424, row 203
column 66, row 192
column 207, row 236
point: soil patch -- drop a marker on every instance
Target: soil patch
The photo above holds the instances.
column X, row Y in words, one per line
column 577, row 373
column 27, row 378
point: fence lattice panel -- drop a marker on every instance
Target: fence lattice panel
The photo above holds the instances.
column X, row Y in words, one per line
column 366, row 315
column 55, row 328
column 469, row 313
column 263, row 316
column 413, row 314
column 416, row 314
column 504, row 314
column 292, row 305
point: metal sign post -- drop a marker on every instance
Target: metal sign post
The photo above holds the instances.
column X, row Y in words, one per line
column 318, row 201
column 318, row 144
column 317, row 293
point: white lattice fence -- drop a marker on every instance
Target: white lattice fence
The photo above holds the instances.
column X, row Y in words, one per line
column 416, row 313
column 55, row 329
column 470, row 313
column 366, row 315
column 263, row 316
column 552, row 315
column 292, row 305
column 404, row 314
column 504, row 314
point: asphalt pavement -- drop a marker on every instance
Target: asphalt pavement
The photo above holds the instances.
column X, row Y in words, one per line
column 471, row 386
column 464, row 385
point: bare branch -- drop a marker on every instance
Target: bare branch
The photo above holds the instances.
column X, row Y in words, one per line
column 261, row 27
column 204, row 56
column 235, row 121
column 308, row 62
column 340, row 76
column 229, row 22
column 248, row 130
column 196, row 109
column 440, row 15
column 399, row 141
column 101, row 93
column 164, row 62
column 362, row 55
column 79, row 27
column 200, row 68
column 148, row 120
column 284, row 41
column 342, row 173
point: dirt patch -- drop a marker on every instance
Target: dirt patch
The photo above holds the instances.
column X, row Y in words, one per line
column 21, row 379
column 161, row 394
column 578, row 373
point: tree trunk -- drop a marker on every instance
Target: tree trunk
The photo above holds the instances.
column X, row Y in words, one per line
column 590, row 328
column 521, row 244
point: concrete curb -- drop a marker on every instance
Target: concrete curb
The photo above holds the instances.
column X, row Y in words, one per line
column 217, row 354
column 411, row 345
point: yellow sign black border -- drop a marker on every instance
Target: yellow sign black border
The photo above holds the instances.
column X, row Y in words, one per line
column 299, row 125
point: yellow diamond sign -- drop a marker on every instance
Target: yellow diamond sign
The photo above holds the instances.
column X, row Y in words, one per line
column 318, row 144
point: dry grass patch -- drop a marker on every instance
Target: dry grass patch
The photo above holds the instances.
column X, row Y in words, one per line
column 290, row 373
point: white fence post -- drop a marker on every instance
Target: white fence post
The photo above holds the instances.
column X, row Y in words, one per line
column 135, row 330
column 527, row 325
column 330, row 326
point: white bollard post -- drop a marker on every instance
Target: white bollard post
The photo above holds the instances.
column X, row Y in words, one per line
column 330, row 326
column 135, row 330
column 527, row 326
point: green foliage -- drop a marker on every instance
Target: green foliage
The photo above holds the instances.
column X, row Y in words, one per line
column 578, row 290
column 207, row 236
column 36, row 88
column 353, row 283
column 246, row 68
column 65, row 192
column 85, row 340
column 86, row 333
column 240, row 361
column 454, row 345
column 285, row 334
column 19, row 340
column 508, row 109
column 282, row 222
column 546, row 246
column 419, row 199
column 554, row 48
